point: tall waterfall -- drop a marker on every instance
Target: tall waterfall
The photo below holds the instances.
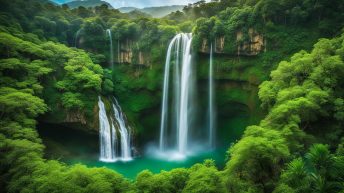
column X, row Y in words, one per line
column 184, row 95
column 211, row 107
column 123, row 130
column 178, row 54
column 107, row 135
column 164, row 110
column 113, row 148
column 108, row 33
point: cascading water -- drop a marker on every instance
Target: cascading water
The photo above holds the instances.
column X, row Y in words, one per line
column 183, row 88
column 211, row 107
column 124, row 132
column 164, row 111
column 108, row 32
column 113, row 148
column 107, row 135
column 76, row 38
column 118, row 52
column 176, row 102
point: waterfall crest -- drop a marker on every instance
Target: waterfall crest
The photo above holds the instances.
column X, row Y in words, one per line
column 112, row 147
column 178, row 54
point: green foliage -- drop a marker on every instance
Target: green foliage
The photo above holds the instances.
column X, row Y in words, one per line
column 15, row 45
column 306, row 87
column 147, row 182
column 296, row 176
column 80, row 71
column 23, row 73
column 320, row 172
column 29, row 172
column 108, row 86
column 256, row 156
column 301, row 94
column 199, row 178
column 29, row 73
column 204, row 178
column 286, row 26
column 72, row 100
column 13, row 101
column 172, row 181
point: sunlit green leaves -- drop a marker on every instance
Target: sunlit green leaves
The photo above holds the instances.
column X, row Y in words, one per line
column 13, row 101
column 319, row 171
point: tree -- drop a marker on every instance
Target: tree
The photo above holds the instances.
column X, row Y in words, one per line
column 204, row 178
column 320, row 172
column 256, row 156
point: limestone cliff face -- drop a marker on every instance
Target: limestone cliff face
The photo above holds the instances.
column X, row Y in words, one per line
column 205, row 46
column 218, row 46
column 253, row 46
column 143, row 58
column 129, row 55
column 75, row 117
column 126, row 51
column 249, row 44
column 78, row 119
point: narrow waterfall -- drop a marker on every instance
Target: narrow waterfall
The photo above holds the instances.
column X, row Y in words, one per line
column 211, row 107
column 178, row 54
column 76, row 38
column 124, row 131
column 113, row 148
column 108, row 33
column 118, row 52
column 107, row 135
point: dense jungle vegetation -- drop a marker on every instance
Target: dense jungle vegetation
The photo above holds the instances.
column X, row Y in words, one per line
column 45, row 74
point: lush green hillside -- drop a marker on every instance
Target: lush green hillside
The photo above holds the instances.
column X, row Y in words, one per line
column 157, row 12
column 281, row 63
column 162, row 11
column 126, row 9
column 87, row 3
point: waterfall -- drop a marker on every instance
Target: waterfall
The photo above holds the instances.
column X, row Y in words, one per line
column 123, row 130
column 183, row 86
column 211, row 112
column 76, row 38
column 163, row 123
column 176, row 102
column 108, row 32
column 113, row 148
column 118, row 52
column 107, row 135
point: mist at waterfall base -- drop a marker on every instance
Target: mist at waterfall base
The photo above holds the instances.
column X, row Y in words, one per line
column 74, row 146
